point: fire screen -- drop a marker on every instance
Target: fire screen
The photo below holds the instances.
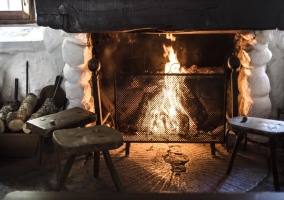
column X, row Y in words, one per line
column 171, row 107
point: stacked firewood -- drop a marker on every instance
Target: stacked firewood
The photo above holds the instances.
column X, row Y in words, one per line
column 14, row 114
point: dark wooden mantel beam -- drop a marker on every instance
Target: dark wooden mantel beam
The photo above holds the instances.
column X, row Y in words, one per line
column 160, row 15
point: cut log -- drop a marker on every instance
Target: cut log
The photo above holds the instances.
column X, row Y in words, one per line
column 15, row 120
column 47, row 108
column 9, row 106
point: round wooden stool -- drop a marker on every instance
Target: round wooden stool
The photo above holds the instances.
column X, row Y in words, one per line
column 78, row 141
column 257, row 126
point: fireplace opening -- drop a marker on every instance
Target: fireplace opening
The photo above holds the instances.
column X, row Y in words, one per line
column 165, row 87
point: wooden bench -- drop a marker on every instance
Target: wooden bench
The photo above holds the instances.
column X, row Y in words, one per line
column 40, row 195
column 71, row 118
column 81, row 141
column 258, row 126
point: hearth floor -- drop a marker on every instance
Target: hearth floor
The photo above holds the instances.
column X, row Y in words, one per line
column 151, row 167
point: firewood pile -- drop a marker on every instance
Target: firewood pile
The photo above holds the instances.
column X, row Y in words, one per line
column 14, row 114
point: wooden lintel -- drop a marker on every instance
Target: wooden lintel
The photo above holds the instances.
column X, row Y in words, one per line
column 160, row 15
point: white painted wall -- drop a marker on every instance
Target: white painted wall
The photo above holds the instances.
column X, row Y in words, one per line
column 47, row 52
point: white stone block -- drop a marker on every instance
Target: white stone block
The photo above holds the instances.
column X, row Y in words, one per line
column 264, row 36
column 80, row 75
column 71, row 74
column 52, row 39
column 74, row 90
column 64, row 34
column 260, row 46
column 86, row 75
column 259, row 82
column 77, row 38
column 73, row 54
column 75, row 104
column 259, row 58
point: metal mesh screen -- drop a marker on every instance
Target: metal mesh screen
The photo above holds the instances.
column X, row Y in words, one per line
column 170, row 107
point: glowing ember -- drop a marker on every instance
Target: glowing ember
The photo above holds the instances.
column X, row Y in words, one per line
column 165, row 109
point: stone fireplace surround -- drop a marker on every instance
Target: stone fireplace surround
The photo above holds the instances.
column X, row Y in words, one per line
column 68, row 53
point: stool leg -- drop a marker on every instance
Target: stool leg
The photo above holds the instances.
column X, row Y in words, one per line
column 40, row 151
column 213, row 149
column 127, row 149
column 236, row 146
column 274, row 163
column 96, row 164
column 226, row 140
column 112, row 171
column 66, row 170
column 246, row 141
column 58, row 163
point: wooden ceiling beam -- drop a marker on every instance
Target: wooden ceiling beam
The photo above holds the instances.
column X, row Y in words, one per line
column 160, row 15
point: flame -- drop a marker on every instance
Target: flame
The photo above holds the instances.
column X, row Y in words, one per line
column 171, row 37
column 173, row 66
column 164, row 108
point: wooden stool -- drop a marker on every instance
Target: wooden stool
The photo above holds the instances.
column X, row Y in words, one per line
column 83, row 140
column 71, row 118
column 258, row 126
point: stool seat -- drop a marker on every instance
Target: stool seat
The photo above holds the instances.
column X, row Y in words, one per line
column 257, row 126
column 71, row 118
column 89, row 139
column 78, row 141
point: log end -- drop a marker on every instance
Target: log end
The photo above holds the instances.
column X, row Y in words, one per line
column 2, row 126
column 15, row 125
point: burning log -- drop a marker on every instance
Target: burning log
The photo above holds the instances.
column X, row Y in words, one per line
column 196, row 109
column 15, row 120
column 140, row 114
column 47, row 108
column 9, row 106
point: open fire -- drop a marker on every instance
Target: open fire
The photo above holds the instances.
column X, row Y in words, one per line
column 171, row 105
column 165, row 107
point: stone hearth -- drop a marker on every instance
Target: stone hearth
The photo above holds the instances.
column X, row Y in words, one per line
column 146, row 170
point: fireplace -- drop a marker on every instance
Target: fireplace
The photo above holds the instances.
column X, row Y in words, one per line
column 164, row 87
column 110, row 20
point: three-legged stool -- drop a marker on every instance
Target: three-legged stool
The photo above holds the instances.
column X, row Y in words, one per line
column 81, row 141
column 258, row 126
column 71, row 118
